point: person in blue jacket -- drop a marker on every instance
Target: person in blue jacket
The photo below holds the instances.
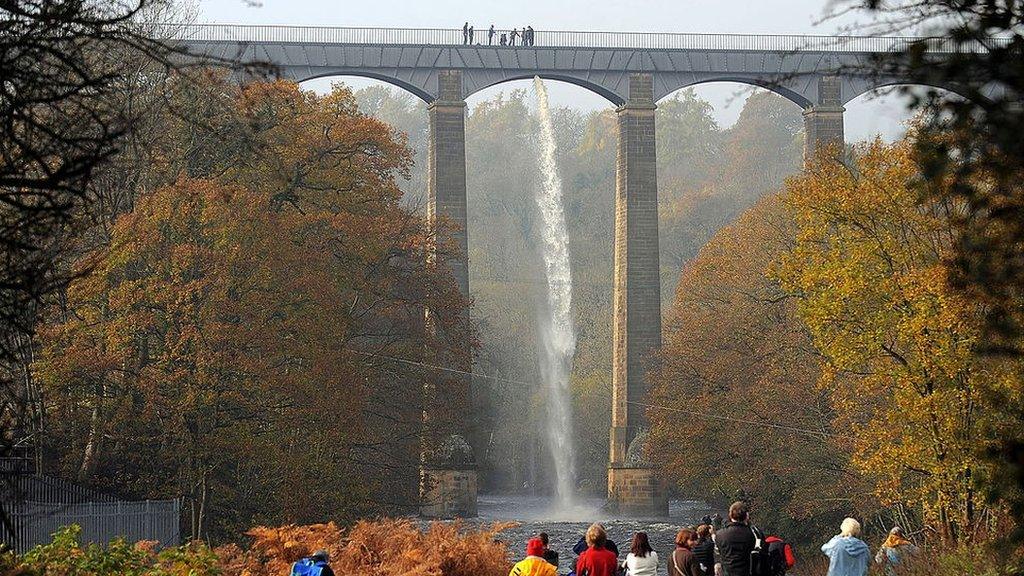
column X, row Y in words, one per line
column 315, row 565
column 847, row 554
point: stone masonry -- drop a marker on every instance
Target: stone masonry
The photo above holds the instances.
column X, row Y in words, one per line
column 823, row 122
column 446, row 168
column 449, row 491
column 636, row 322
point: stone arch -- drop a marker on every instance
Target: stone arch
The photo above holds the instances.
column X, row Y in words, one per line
column 602, row 91
column 786, row 92
column 372, row 75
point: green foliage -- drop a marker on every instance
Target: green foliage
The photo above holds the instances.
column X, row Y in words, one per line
column 67, row 556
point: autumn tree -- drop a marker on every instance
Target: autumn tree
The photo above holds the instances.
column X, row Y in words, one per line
column 870, row 267
column 234, row 344
column 734, row 404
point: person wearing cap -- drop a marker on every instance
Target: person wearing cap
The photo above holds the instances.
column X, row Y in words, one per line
column 534, row 564
column 895, row 551
column 315, row 565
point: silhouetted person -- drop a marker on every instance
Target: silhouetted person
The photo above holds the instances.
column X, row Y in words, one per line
column 490, row 35
column 465, row 33
column 504, row 39
column 470, row 34
column 512, row 37
column 529, row 35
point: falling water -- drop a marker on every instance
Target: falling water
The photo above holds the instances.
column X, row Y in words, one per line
column 557, row 329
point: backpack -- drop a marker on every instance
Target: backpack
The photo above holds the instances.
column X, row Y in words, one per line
column 308, row 567
column 760, row 564
column 777, row 562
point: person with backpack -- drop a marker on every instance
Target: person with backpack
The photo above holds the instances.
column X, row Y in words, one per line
column 534, row 564
column 847, row 554
column 895, row 551
column 780, row 556
column 704, row 550
column 740, row 547
column 315, row 565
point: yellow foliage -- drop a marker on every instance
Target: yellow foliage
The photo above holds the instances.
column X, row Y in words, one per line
column 903, row 373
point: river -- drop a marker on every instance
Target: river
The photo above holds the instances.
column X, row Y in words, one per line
column 536, row 514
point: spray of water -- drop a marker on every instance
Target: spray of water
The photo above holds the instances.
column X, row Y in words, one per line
column 557, row 328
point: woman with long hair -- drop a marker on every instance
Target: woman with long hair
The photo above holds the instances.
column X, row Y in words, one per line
column 642, row 560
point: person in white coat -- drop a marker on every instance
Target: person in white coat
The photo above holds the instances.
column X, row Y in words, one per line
column 642, row 560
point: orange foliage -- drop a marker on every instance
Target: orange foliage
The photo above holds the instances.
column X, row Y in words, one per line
column 378, row 548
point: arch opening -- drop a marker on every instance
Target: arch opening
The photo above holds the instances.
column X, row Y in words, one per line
column 365, row 76
column 605, row 93
column 751, row 84
column 884, row 110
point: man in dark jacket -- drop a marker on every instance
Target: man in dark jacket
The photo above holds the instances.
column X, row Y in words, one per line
column 550, row 555
column 735, row 542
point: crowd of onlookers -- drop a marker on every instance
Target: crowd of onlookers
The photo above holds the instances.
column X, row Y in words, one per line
column 738, row 548
column 514, row 37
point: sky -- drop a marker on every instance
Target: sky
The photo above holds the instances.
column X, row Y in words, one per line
column 865, row 116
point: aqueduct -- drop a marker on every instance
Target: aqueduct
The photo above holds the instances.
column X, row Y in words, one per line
column 631, row 70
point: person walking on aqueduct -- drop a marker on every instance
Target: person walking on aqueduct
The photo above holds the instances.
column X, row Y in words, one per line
column 534, row 564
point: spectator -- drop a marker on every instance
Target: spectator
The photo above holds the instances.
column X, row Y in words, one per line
column 504, row 39
column 529, row 35
column 895, row 551
column 534, row 563
column 736, row 541
column 470, row 34
column 847, row 554
column 642, row 560
column 490, row 35
column 704, row 551
column 596, row 560
column 683, row 561
column 315, row 565
column 550, row 555
column 780, row 555
column 465, row 33
column 512, row 37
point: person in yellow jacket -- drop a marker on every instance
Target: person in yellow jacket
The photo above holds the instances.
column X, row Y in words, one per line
column 534, row 564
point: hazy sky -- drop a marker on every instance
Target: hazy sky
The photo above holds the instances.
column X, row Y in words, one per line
column 865, row 116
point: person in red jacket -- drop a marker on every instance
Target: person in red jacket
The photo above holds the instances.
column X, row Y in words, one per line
column 596, row 560
column 780, row 555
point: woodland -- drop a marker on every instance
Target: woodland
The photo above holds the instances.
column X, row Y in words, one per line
column 206, row 285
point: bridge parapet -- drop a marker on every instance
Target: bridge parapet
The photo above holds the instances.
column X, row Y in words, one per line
column 551, row 38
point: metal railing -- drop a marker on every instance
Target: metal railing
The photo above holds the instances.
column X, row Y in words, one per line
column 553, row 38
column 35, row 523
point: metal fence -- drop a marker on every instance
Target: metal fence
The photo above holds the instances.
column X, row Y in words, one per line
column 557, row 38
column 35, row 523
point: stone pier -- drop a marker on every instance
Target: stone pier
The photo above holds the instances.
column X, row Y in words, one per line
column 823, row 122
column 633, row 488
column 448, row 479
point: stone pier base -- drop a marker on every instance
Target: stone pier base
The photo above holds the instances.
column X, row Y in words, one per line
column 636, row 491
column 448, row 493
